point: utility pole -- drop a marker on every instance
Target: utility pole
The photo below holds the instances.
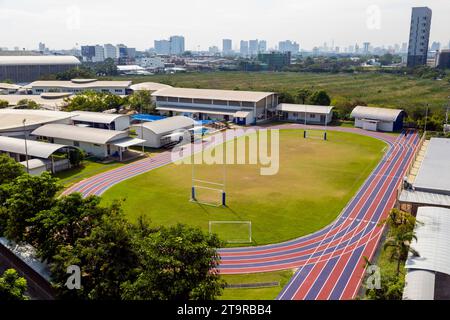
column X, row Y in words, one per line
column 26, row 145
column 426, row 119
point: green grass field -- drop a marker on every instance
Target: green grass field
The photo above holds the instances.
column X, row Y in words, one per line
column 269, row 293
column 376, row 89
column 315, row 181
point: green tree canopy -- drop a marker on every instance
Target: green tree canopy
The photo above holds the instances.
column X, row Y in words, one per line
column 27, row 104
column 141, row 101
column 4, row 104
column 12, row 286
column 320, row 98
column 94, row 101
column 9, row 169
column 303, row 95
column 76, row 73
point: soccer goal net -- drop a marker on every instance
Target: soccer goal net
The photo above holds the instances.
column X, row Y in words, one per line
column 315, row 134
column 237, row 232
column 211, row 195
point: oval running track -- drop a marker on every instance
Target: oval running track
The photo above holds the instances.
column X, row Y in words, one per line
column 329, row 263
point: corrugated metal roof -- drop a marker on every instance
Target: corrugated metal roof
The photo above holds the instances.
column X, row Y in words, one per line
column 34, row 163
column 167, row 125
column 420, row 197
column 44, row 100
column 434, row 172
column 75, row 133
column 149, row 86
column 77, row 84
column 382, row 114
column 36, row 149
column 38, row 60
column 433, row 239
column 13, row 118
column 302, row 108
column 9, row 86
column 128, row 142
column 209, row 94
column 419, row 285
column 97, row 117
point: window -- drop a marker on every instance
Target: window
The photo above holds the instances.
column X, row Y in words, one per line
column 118, row 90
column 76, row 143
column 39, row 90
column 312, row 115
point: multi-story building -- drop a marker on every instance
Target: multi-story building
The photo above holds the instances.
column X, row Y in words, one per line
column 99, row 54
column 177, row 45
column 366, row 47
column 443, row 59
column 262, row 46
column 227, row 46
column 162, row 47
column 419, row 36
column 244, row 48
column 88, row 52
column 288, row 46
column 253, row 46
column 110, row 51
column 275, row 61
column 435, row 46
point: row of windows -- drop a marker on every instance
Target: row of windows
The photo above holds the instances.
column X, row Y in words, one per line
column 206, row 101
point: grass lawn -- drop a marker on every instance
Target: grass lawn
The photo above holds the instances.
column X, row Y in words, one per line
column 376, row 89
column 269, row 293
column 88, row 169
column 315, row 181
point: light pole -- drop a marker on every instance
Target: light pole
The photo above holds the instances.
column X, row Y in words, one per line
column 446, row 114
column 426, row 119
column 26, row 145
column 142, row 131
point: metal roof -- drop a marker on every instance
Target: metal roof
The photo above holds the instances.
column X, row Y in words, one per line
column 45, row 100
column 13, row 118
column 197, row 110
column 9, row 86
column 128, row 142
column 419, row 285
column 434, row 172
column 35, row 148
column 302, row 108
column 75, row 133
column 420, row 197
column 97, row 117
column 38, row 60
column 209, row 94
column 34, row 163
column 79, row 84
column 167, row 125
column 433, row 239
column 382, row 114
column 150, row 86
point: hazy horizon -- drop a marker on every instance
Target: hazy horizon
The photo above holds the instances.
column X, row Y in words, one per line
column 64, row 24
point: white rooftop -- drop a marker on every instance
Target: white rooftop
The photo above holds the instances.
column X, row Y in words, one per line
column 13, row 118
column 35, row 148
column 304, row 108
column 168, row 124
column 46, row 100
column 97, row 117
column 81, row 84
column 433, row 239
column 38, row 60
column 75, row 133
column 382, row 114
column 434, row 172
column 149, row 86
column 209, row 94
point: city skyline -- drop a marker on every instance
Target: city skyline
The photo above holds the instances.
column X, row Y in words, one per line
column 70, row 24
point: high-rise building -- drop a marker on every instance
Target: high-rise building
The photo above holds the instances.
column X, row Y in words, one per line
column 244, row 48
column 419, row 36
column 99, row 54
column 262, row 46
column 253, row 46
column 41, row 46
column 176, row 45
column 87, row 52
column 404, row 47
column 213, row 50
column 443, row 59
column 227, row 46
column 110, row 51
column 162, row 47
column 435, row 46
column 366, row 47
column 288, row 46
column 275, row 61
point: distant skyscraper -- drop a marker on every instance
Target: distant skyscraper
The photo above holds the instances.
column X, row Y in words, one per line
column 110, row 51
column 366, row 47
column 253, row 47
column 435, row 46
column 262, row 46
column 288, row 46
column 41, row 46
column 88, row 52
column 244, row 48
column 356, row 48
column 404, row 47
column 99, row 54
column 213, row 50
column 419, row 36
column 177, row 45
column 162, row 47
column 227, row 46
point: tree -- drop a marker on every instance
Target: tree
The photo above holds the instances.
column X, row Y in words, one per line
column 28, row 104
column 176, row 263
column 286, row 97
column 9, row 169
column 76, row 73
column 141, row 101
column 106, row 257
column 12, row 286
column 94, row 101
column 303, row 95
column 69, row 219
column 26, row 196
column 4, row 104
column 106, row 68
column 391, row 288
column 401, row 245
column 320, row 98
column 76, row 157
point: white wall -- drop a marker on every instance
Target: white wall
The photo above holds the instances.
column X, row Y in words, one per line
column 122, row 123
column 99, row 151
column 310, row 117
column 382, row 125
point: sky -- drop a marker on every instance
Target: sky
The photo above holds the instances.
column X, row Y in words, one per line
column 64, row 24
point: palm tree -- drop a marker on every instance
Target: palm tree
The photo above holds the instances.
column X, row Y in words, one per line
column 303, row 95
column 400, row 242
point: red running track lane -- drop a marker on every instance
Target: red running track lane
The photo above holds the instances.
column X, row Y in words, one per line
column 336, row 243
